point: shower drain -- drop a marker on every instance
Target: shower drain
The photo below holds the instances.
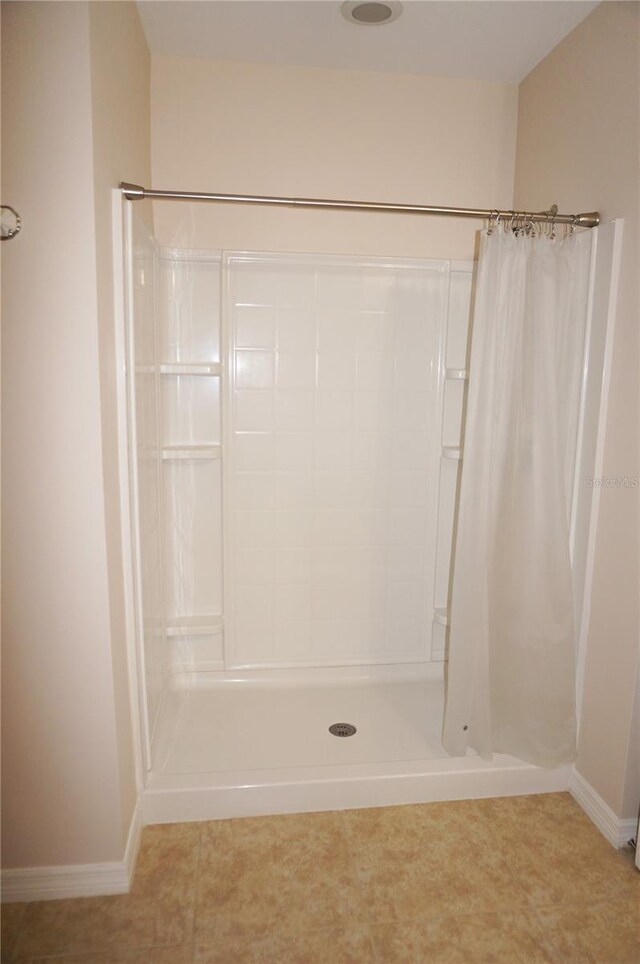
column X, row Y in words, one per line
column 342, row 729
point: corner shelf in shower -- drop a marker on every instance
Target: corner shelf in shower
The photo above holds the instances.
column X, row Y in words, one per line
column 181, row 368
column 172, row 453
column 458, row 374
column 191, row 368
column 452, row 452
column 194, row 626
column 441, row 616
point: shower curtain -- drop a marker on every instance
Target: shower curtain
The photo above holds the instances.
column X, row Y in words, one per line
column 511, row 677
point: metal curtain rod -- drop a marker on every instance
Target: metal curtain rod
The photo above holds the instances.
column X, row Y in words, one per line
column 133, row 192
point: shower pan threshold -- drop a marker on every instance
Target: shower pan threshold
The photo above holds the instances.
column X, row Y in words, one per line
column 245, row 743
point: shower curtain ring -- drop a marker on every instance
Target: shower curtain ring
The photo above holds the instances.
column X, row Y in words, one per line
column 494, row 218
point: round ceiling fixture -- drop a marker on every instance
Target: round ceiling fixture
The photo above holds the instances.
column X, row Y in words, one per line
column 371, row 13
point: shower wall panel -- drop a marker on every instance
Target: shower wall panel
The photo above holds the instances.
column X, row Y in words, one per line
column 332, row 453
column 189, row 306
column 341, row 382
column 144, row 458
column 455, row 385
column 190, row 419
column 193, row 538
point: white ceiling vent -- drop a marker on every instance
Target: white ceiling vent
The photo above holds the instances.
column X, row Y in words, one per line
column 371, row 13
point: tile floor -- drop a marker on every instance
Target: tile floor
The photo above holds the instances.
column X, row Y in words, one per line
column 515, row 879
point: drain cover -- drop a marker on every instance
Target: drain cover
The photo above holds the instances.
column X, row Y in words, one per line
column 342, row 729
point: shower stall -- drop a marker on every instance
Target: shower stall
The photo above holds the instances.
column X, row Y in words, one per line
column 292, row 430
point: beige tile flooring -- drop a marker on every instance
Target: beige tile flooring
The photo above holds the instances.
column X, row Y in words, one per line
column 515, row 879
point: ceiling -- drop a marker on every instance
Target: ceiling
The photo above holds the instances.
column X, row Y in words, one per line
column 478, row 39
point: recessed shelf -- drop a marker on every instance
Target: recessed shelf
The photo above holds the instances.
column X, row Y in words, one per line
column 191, row 368
column 181, row 368
column 451, row 452
column 441, row 616
column 171, row 453
column 195, row 626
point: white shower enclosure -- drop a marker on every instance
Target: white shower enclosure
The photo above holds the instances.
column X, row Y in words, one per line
column 291, row 447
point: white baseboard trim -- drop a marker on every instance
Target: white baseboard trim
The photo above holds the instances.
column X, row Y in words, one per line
column 75, row 880
column 70, row 880
column 617, row 831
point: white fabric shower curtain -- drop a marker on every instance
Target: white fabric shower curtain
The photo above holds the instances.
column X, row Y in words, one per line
column 511, row 678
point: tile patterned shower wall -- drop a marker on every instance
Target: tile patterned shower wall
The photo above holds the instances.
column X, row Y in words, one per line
column 333, row 436
column 343, row 385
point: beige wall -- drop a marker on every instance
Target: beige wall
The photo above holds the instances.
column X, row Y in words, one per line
column 261, row 129
column 120, row 94
column 67, row 764
column 578, row 146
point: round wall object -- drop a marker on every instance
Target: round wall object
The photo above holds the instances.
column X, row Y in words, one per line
column 371, row 13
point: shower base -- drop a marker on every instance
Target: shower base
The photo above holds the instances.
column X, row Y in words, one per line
column 258, row 742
